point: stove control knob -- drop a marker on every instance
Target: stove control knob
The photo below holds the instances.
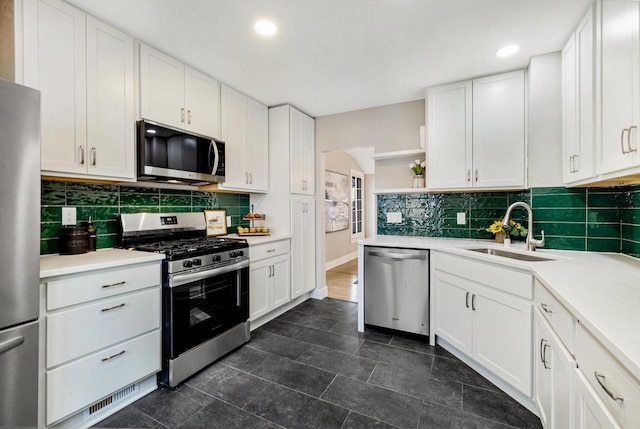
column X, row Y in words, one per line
column 233, row 254
column 240, row 253
column 187, row 264
column 216, row 258
column 197, row 261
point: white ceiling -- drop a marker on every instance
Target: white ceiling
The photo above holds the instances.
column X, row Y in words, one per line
column 332, row 56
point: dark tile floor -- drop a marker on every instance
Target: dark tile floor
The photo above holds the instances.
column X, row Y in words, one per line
column 310, row 368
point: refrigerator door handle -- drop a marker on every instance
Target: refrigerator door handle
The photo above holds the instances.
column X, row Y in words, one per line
column 11, row 344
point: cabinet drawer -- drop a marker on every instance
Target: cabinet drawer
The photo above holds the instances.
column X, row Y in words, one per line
column 81, row 288
column 592, row 357
column 82, row 330
column 558, row 317
column 81, row 383
column 267, row 250
column 495, row 276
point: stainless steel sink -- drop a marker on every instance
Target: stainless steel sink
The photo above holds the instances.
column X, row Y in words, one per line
column 512, row 255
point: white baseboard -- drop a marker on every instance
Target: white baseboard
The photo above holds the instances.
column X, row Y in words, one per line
column 319, row 293
column 341, row 260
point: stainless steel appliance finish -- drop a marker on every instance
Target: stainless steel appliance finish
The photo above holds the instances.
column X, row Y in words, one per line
column 205, row 294
column 20, row 254
column 396, row 289
column 171, row 155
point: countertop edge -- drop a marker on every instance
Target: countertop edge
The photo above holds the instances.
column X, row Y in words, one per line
column 102, row 259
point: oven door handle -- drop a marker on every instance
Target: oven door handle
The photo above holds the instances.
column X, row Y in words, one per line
column 182, row 279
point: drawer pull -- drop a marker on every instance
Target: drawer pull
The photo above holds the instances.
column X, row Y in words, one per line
column 545, row 308
column 544, row 354
column 112, row 308
column 466, row 300
column 473, row 302
column 599, row 379
column 271, row 250
column 113, row 356
column 113, row 284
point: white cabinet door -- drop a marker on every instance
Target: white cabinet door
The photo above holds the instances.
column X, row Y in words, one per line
column 280, row 284
column 570, row 150
column 302, row 245
column 498, row 131
column 585, row 75
column 620, row 93
column 543, row 363
column 161, row 88
column 55, row 63
column 590, row 412
column 202, row 102
column 110, row 102
column 563, row 367
column 257, row 143
column 233, row 125
column 502, row 328
column 449, row 140
column 259, row 276
column 453, row 302
column 302, row 153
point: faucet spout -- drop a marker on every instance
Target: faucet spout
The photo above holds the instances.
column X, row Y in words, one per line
column 532, row 243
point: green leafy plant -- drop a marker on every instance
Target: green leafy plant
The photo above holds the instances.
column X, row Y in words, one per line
column 418, row 167
column 513, row 229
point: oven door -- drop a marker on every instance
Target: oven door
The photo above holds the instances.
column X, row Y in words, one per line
column 205, row 304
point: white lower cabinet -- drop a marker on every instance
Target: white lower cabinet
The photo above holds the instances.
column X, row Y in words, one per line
column 487, row 324
column 269, row 280
column 303, row 250
column 102, row 335
column 590, row 412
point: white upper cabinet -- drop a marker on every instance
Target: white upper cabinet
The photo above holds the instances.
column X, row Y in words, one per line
column 84, row 69
column 619, row 95
column 245, row 131
column 302, row 153
column 173, row 94
column 476, row 135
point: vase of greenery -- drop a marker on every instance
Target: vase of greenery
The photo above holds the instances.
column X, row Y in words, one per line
column 418, row 170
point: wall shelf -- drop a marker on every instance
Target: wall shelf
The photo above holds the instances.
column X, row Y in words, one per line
column 399, row 154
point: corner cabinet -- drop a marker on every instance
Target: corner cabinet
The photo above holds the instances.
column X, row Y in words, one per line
column 269, row 277
column 485, row 312
column 468, row 123
column 245, row 131
column 303, row 245
column 176, row 95
column 85, row 72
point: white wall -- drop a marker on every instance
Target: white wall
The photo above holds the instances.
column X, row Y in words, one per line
column 545, row 120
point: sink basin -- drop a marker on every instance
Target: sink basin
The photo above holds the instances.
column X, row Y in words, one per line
column 512, row 255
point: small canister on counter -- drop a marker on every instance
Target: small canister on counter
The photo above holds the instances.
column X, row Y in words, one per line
column 73, row 240
column 91, row 230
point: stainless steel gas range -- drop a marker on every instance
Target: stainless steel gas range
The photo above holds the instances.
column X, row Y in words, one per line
column 205, row 298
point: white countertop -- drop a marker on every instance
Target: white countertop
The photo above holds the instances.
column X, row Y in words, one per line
column 260, row 239
column 59, row 265
column 602, row 290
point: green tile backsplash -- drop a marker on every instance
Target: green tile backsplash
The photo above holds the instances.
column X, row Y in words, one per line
column 103, row 203
column 595, row 219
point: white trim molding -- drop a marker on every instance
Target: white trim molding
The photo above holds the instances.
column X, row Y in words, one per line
column 341, row 260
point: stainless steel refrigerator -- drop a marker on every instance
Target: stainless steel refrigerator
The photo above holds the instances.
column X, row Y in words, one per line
column 19, row 253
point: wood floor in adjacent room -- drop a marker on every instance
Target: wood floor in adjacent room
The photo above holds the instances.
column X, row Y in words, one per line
column 341, row 281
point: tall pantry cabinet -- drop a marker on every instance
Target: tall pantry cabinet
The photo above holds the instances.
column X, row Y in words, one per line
column 292, row 185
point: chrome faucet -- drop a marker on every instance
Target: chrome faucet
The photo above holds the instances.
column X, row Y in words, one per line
column 532, row 243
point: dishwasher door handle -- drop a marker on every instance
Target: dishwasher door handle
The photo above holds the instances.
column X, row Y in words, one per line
column 398, row 255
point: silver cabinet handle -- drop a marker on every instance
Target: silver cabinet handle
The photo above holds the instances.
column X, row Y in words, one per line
column 251, row 178
column 182, row 114
column 631, row 149
column 575, row 163
column 468, row 175
column 11, row 344
column 81, row 155
column 622, row 140
column 541, row 348
column 113, row 308
column 466, row 300
column 189, row 116
column 113, row 284
column 473, row 302
column 545, row 308
column 544, row 354
column 600, row 378
column 476, row 174
column 271, row 250
column 246, row 178
column 93, row 154
column 113, row 356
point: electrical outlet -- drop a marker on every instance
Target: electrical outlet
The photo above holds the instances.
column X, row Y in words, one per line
column 462, row 218
column 394, row 217
column 68, row 215
column 228, row 221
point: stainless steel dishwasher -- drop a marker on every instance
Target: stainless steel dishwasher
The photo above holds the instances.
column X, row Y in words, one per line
column 396, row 289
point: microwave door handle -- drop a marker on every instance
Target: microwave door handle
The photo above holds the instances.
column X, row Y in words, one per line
column 213, row 164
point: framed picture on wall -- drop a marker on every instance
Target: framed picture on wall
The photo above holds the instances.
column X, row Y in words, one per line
column 216, row 221
column 337, row 201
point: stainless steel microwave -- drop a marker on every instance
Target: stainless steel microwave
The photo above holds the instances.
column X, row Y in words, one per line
column 174, row 156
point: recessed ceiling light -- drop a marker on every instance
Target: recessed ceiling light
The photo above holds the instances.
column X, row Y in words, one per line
column 266, row 28
column 507, row 51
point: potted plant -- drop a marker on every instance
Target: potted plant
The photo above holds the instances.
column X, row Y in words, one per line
column 418, row 170
column 504, row 232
